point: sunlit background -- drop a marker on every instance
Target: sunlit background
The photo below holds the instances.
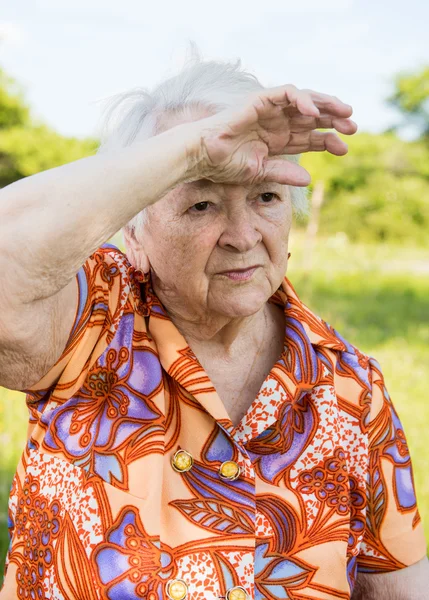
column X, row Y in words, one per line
column 361, row 261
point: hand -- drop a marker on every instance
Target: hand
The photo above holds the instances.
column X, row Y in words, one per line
column 235, row 145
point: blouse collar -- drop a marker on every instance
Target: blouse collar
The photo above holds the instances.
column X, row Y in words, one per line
column 300, row 368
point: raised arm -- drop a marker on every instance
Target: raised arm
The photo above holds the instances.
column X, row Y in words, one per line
column 51, row 222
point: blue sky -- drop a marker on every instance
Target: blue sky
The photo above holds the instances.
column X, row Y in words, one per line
column 69, row 55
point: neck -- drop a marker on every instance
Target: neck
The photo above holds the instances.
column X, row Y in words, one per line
column 230, row 339
column 221, row 335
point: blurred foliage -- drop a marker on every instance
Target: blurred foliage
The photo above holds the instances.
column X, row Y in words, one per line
column 27, row 146
column 411, row 97
column 25, row 151
column 13, row 109
column 379, row 191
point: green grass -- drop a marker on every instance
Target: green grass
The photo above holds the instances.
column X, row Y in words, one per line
column 377, row 297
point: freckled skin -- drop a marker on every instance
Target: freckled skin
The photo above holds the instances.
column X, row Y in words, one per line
column 186, row 249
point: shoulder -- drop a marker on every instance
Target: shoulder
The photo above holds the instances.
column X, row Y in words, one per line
column 124, row 283
column 109, row 270
column 322, row 335
column 352, row 369
column 107, row 290
column 349, row 360
column 112, row 260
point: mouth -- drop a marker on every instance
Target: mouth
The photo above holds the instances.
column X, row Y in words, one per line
column 240, row 274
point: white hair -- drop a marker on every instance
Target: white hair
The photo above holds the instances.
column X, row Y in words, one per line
column 200, row 85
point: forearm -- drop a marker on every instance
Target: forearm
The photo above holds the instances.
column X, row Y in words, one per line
column 52, row 221
column 409, row 583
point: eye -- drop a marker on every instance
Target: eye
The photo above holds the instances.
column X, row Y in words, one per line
column 268, row 196
column 200, row 207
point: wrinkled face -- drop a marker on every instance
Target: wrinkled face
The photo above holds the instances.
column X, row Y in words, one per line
column 201, row 231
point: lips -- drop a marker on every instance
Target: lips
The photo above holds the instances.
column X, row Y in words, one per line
column 240, row 275
column 239, row 270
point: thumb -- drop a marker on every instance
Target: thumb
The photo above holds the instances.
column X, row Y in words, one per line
column 286, row 172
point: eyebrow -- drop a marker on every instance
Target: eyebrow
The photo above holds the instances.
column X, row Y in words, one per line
column 202, row 184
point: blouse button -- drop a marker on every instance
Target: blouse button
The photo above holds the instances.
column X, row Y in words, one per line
column 229, row 470
column 182, row 461
column 236, row 593
column 177, row 589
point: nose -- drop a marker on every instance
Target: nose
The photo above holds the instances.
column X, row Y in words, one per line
column 240, row 233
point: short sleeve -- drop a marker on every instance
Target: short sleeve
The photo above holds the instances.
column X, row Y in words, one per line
column 394, row 535
column 103, row 288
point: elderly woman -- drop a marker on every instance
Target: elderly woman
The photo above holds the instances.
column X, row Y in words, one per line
column 196, row 431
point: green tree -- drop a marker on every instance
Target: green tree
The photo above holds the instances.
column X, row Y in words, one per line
column 411, row 98
column 379, row 191
column 13, row 109
column 28, row 146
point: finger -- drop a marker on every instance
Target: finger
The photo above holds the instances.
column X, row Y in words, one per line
column 302, row 123
column 305, row 104
column 306, row 101
column 290, row 97
column 316, row 141
column 286, row 172
column 282, row 95
column 330, row 104
column 346, row 126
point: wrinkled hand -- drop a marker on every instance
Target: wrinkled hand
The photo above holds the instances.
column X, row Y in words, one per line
column 237, row 145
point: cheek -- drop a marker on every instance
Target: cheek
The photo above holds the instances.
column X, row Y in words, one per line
column 276, row 237
column 178, row 251
column 195, row 249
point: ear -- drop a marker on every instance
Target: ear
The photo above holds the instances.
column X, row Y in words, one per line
column 135, row 251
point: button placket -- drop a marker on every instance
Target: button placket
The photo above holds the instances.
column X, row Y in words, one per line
column 245, row 465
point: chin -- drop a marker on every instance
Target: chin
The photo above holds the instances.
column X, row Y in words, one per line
column 241, row 302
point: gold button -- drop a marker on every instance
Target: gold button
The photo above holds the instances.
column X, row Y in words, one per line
column 177, row 589
column 229, row 470
column 236, row 593
column 182, row 461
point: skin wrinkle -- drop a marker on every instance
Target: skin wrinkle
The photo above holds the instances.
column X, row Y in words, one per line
column 237, row 231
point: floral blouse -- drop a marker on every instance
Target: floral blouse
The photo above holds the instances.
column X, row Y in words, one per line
column 134, row 483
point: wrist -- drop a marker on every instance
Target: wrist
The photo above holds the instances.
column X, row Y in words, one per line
column 188, row 136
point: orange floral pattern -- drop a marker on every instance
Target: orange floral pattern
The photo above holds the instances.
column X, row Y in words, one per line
column 96, row 511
